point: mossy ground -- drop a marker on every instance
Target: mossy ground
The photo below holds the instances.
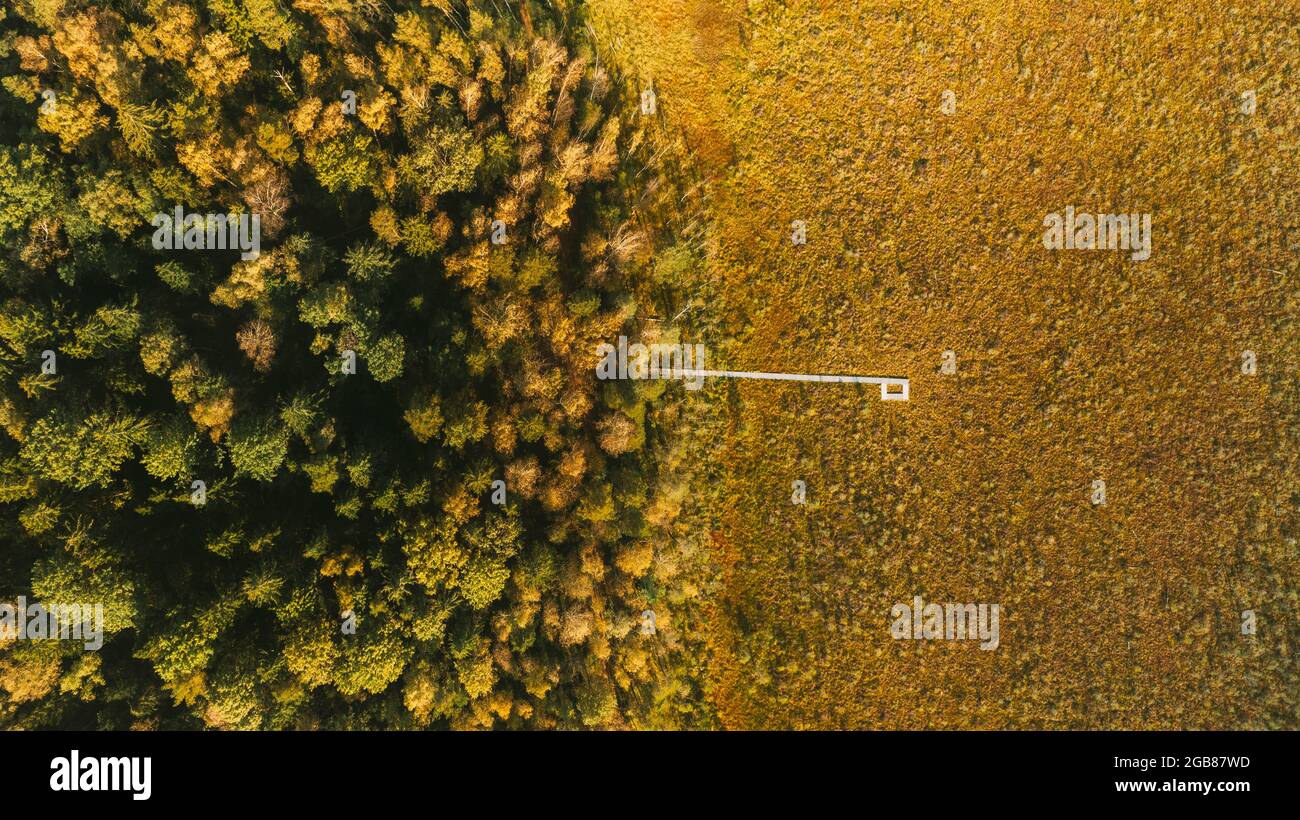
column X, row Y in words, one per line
column 924, row 234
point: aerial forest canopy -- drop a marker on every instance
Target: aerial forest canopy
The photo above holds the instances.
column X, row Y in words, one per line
column 361, row 476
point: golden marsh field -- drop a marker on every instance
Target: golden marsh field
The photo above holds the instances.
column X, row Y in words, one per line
column 924, row 226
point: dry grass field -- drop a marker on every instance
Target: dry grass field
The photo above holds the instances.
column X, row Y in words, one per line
column 924, row 234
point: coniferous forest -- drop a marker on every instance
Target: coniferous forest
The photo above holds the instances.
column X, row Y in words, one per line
column 361, row 477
